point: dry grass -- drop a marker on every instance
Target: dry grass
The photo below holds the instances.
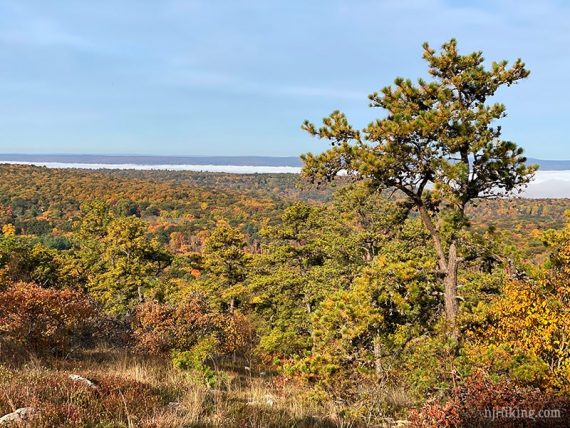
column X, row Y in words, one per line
column 142, row 392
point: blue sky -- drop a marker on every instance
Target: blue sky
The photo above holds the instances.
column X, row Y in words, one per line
column 238, row 77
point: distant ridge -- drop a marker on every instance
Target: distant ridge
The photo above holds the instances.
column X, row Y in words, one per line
column 155, row 160
column 550, row 165
column 274, row 161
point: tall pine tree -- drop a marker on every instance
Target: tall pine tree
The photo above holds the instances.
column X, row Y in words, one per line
column 438, row 145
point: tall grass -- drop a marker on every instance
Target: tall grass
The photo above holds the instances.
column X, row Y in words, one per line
column 135, row 391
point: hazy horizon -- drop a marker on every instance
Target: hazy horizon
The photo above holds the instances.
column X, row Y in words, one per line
column 546, row 184
column 109, row 157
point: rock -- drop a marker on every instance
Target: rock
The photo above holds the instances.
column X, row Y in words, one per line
column 267, row 399
column 392, row 423
column 19, row 415
column 84, row 381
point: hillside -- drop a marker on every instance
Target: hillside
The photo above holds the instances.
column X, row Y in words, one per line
column 202, row 299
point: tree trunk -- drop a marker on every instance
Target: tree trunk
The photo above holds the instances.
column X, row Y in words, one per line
column 450, row 294
column 448, row 266
column 378, row 358
column 434, row 232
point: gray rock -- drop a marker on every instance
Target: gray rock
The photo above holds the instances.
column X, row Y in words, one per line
column 19, row 415
column 84, row 381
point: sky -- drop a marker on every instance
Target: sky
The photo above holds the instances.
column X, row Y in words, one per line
column 238, row 77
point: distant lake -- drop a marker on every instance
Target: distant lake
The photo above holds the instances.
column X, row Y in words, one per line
column 547, row 184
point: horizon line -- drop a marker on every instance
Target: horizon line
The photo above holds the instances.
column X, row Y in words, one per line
column 195, row 156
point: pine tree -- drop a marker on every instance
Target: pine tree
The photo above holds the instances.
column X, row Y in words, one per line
column 226, row 262
column 438, row 146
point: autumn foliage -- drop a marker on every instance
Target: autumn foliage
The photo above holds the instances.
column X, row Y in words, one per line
column 160, row 328
column 472, row 405
column 163, row 328
column 405, row 291
column 43, row 320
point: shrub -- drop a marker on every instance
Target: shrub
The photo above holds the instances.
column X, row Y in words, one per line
column 238, row 335
column 196, row 358
column 59, row 401
column 43, row 320
column 154, row 328
column 472, row 404
column 160, row 328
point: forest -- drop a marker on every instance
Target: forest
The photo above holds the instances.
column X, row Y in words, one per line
column 262, row 301
column 414, row 290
